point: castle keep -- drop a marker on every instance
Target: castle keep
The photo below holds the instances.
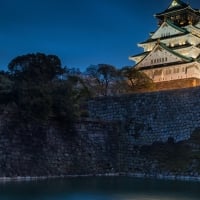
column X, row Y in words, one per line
column 173, row 51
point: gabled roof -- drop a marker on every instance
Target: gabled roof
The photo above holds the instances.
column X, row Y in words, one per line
column 176, row 27
column 161, row 46
column 197, row 25
column 177, row 5
column 140, row 54
column 187, row 45
column 171, row 36
column 168, row 23
column 198, row 58
column 174, row 6
column 195, row 30
column 193, row 27
column 175, row 53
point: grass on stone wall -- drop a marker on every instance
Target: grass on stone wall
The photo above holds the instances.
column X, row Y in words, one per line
column 195, row 137
column 176, row 157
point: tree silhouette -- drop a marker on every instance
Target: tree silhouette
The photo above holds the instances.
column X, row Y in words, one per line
column 135, row 79
column 36, row 67
column 100, row 78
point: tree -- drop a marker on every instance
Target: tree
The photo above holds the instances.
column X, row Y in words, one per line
column 34, row 102
column 36, row 67
column 41, row 90
column 63, row 106
column 135, row 79
column 100, row 78
column 6, row 86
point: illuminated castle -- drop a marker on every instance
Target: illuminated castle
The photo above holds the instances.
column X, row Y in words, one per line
column 173, row 51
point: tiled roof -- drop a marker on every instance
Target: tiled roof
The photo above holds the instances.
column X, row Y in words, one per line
column 184, row 58
column 181, row 46
column 177, row 4
column 162, row 65
column 198, row 58
column 180, row 5
column 140, row 54
column 171, row 36
column 175, row 53
column 176, row 27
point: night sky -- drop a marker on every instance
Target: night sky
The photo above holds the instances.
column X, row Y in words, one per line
column 80, row 32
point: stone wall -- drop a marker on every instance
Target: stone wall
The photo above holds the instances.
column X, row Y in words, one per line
column 151, row 117
column 109, row 143
column 48, row 150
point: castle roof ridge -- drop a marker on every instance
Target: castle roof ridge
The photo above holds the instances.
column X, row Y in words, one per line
column 162, row 45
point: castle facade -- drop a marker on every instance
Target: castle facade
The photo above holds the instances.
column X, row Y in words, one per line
column 172, row 52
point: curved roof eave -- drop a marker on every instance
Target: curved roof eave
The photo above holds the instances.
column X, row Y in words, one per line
column 175, row 53
column 140, row 54
column 176, row 10
column 154, row 40
column 186, row 59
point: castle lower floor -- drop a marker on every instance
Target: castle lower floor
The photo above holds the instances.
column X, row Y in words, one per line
column 174, row 72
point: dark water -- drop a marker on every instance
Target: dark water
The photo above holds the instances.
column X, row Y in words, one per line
column 101, row 188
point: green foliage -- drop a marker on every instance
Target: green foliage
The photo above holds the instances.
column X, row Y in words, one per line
column 135, row 79
column 176, row 157
column 80, row 91
column 104, row 80
column 195, row 137
column 36, row 67
column 33, row 101
column 63, row 107
column 6, row 85
column 40, row 89
column 172, row 157
column 100, row 79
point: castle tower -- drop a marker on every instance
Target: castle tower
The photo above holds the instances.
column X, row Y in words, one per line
column 173, row 51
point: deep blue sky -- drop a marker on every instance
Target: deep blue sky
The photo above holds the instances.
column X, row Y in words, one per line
column 80, row 32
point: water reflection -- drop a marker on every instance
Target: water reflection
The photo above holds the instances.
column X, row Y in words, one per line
column 100, row 188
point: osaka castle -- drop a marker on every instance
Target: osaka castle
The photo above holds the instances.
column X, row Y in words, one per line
column 172, row 52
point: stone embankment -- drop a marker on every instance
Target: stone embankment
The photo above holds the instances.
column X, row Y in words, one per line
column 139, row 134
column 151, row 117
column 48, row 150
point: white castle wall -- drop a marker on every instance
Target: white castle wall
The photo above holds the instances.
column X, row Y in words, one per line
column 174, row 72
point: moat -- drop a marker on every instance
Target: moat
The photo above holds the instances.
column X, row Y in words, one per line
column 100, row 188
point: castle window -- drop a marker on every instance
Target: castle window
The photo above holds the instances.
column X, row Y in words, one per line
column 165, row 59
column 176, row 70
column 168, row 71
column 165, row 34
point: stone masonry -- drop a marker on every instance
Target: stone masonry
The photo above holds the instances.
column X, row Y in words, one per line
column 108, row 142
column 151, row 117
